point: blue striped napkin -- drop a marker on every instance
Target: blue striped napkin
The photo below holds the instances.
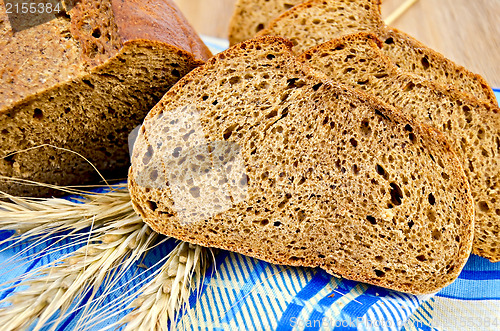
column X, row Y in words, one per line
column 242, row 293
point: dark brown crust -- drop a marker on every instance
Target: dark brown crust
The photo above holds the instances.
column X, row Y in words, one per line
column 157, row 20
column 168, row 224
column 129, row 20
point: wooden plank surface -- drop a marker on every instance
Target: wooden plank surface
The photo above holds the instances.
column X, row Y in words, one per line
column 466, row 31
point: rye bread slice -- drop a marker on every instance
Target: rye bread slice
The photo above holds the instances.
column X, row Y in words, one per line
column 472, row 126
column 252, row 16
column 317, row 21
column 82, row 81
column 255, row 153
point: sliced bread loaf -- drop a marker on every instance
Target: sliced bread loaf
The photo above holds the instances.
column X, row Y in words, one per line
column 472, row 126
column 255, row 153
column 82, row 82
column 317, row 21
column 252, row 16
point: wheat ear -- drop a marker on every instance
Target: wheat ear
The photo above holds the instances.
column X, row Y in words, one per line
column 54, row 288
column 119, row 238
column 32, row 216
column 162, row 299
column 42, row 220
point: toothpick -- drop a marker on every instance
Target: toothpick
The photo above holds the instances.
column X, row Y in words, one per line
column 399, row 11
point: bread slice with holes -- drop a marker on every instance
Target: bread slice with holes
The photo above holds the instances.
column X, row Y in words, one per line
column 252, row 16
column 82, row 81
column 256, row 153
column 317, row 21
column 472, row 126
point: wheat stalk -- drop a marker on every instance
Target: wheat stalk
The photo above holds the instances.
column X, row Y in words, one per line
column 41, row 220
column 168, row 292
column 57, row 286
column 117, row 238
column 35, row 216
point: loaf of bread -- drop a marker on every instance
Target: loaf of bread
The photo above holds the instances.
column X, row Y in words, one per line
column 317, row 21
column 82, row 81
column 472, row 126
column 255, row 153
column 252, row 16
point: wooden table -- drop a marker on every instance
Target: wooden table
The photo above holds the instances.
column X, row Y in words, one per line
column 466, row 31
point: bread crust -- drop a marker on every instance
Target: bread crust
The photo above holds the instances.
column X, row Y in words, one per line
column 155, row 205
column 374, row 14
column 251, row 16
column 160, row 21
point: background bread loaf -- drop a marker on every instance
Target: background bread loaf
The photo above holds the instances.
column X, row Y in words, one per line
column 82, row 82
